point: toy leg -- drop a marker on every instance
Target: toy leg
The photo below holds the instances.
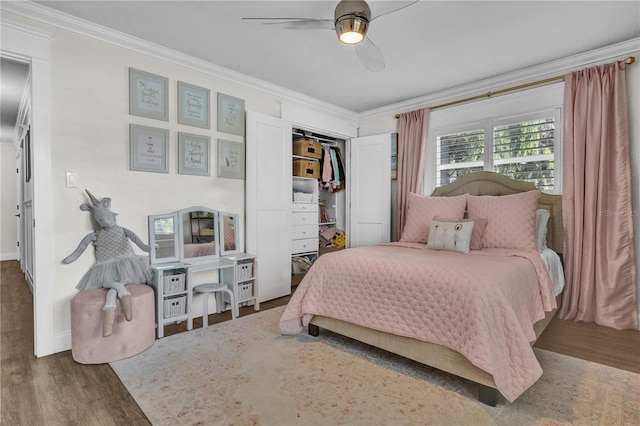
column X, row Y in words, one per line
column 109, row 312
column 123, row 295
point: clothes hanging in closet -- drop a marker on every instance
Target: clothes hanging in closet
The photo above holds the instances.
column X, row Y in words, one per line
column 332, row 175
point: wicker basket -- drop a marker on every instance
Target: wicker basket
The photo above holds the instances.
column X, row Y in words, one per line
column 307, row 148
column 174, row 306
column 173, row 284
column 244, row 270
column 306, row 168
column 245, row 291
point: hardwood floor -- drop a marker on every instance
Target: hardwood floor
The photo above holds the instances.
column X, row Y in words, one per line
column 55, row 390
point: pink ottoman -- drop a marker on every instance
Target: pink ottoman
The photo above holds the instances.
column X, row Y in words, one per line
column 129, row 338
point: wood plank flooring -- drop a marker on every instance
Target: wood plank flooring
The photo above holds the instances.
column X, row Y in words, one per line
column 55, row 390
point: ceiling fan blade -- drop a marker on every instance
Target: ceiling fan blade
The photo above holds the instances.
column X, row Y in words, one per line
column 293, row 23
column 381, row 8
column 370, row 56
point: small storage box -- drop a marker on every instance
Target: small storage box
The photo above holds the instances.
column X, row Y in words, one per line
column 307, row 148
column 302, row 197
column 173, row 284
column 306, row 168
column 244, row 270
column 245, row 291
column 174, row 306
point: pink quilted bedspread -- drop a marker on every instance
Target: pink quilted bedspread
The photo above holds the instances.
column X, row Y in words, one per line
column 482, row 305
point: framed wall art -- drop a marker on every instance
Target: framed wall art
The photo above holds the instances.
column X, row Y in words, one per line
column 230, row 114
column 193, row 154
column 230, row 159
column 148, row 95
column 149, row 149
column 193, row 105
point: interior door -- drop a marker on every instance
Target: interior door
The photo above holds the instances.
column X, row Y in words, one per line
column 268, row 202
column 370, row 190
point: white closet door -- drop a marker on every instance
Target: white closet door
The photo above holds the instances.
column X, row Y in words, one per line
column 370, row 190
column 268, row 202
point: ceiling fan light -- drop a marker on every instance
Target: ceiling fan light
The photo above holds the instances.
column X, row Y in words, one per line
column 351, row 29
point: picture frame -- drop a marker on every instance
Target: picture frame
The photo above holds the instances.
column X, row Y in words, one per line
column 193, row 154
column 230, row 114
column 148, row 95
column 194, row 105
column 230, row 159
column 148, row 149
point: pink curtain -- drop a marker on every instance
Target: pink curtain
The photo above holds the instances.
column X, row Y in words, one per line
column 596, row 200
column 412, row 139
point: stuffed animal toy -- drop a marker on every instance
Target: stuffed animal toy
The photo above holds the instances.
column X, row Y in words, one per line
column 116, row 263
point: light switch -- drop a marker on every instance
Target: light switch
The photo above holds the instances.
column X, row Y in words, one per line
column 72, row 179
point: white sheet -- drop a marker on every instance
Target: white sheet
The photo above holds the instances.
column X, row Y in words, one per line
column 554, row 266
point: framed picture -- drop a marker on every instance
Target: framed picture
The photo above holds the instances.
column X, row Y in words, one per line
column 230, row 159
column 193, row 105
column 394, row 156
column 230, row 115
column 149, row 149
column 193, row 154
column 148, row 95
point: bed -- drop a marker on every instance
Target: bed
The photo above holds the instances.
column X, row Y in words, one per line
column 495, row 351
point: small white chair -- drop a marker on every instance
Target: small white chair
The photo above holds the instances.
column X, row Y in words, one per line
column 207, row 288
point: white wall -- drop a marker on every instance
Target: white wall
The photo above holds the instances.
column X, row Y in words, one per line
column 8, row 222
column 90, row 136
column 387, row 123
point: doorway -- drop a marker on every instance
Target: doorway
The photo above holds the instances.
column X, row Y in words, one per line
column 31, row 46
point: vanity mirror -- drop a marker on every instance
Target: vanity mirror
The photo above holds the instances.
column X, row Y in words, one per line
column 192, row 235
column 199, row 231
column 163, row 240
column 229, row 236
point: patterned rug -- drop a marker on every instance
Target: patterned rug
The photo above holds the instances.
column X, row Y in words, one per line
column 244, row 372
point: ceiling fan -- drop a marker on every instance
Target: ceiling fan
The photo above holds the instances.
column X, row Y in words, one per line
column 351, row 22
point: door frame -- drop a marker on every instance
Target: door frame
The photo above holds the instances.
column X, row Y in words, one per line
column 34, row 46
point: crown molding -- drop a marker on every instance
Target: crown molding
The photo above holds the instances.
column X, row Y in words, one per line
column 525, row 75
column 43, row 14
column 67, row 22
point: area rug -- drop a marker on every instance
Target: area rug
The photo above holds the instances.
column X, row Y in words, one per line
column 244, row 372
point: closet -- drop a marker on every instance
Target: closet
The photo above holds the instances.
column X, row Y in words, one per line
column 282, row 226
column 319, row 188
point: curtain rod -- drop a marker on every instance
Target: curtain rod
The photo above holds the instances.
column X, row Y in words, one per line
column 630, row 60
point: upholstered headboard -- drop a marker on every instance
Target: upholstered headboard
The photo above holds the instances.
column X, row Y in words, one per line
column 490, row 183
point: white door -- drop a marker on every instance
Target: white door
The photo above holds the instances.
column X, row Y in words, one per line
column 268, row 202
column 370, row 190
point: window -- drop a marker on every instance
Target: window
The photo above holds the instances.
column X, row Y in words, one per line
column 523, row 148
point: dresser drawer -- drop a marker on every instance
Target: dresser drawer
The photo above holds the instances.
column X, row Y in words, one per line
column 304, row 232
column 305, row 207
column 303, row 246
column 305, row 219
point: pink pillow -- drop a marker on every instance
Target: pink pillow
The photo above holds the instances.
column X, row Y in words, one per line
column 478, row 230
column 421, row 210
column 511, row 219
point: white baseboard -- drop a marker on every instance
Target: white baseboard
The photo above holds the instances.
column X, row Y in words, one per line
column 63, row 342
column 9, row 256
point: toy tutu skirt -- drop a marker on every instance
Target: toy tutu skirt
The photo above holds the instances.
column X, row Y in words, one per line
column 127, row 270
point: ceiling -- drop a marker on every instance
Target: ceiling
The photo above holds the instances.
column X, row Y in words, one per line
column 428, row 47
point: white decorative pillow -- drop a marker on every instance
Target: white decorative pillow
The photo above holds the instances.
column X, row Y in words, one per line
column 479, row 225
column 421, row 210
column 511, row 219
column 542, row 219
column 451, row 236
